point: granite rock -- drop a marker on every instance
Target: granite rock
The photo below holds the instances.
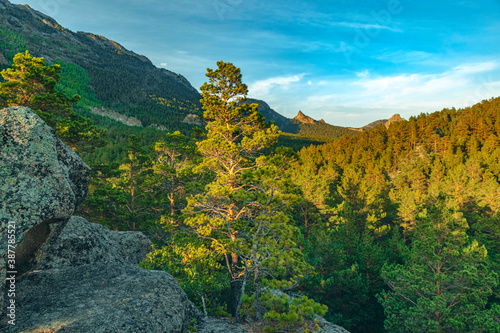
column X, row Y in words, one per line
column 41, row 183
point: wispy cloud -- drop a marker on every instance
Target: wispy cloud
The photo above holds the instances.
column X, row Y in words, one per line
column 418, row 89
column 365, row 26
column 403, row 56
column 263, row 87
column 364, row 96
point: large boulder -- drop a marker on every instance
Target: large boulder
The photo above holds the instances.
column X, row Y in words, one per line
column 85, row 279
column 101, row 298
column 41, row 183
column 84, row 243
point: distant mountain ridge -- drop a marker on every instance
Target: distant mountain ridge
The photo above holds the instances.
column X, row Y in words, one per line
column 118, row 76
column 301, row 124
column 125, row 82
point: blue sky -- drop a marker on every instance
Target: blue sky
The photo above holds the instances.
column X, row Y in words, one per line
column 349, row 62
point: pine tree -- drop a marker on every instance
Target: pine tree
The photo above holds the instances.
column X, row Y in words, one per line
column 236, row 133
column 32, row 84
column 445, row 284
column 134, row 182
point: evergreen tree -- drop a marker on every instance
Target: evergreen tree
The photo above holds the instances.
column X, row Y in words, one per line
column 135, row 182
column 236, row 133
column 445, row 284
column 32, row 84
column 173, row 169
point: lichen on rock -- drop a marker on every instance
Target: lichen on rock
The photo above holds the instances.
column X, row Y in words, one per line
column 41, row 183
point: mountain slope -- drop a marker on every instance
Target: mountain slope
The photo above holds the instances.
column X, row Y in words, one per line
column 116, row 80
column 319, row 128
column 121, row 79
column 281, row 121
column 302, row 125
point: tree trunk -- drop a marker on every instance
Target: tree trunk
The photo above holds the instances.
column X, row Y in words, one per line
column 243, row 287
column 234, row 297
column 234, row 285
column 258, row 307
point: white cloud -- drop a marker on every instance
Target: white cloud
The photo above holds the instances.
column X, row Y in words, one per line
column 365, row 96
column 411, row 57
column 262, row 88
column 363, row 74
column 419, row 89
column 364, row 26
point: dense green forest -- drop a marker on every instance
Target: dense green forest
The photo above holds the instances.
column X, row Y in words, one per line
column 366, row 209
column 323, row 131
column 389, row 230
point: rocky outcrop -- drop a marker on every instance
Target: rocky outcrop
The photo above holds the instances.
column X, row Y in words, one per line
column 193, row 119
column 394, row 119
column 3, row 60
column 129, row 121
column 42, row 181
column 100, row 246
column 71, row 275
column 304, row 119
column 212, row 325
column 327, row 327
column 86, row 280
column 159, row 127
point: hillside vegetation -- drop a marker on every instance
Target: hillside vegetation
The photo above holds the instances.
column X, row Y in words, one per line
column 392, row 229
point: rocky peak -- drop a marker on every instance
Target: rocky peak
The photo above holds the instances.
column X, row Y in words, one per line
column 304, row 119
column 394, row 119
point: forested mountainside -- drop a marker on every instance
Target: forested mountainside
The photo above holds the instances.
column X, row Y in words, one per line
column 117, row 78
column 393, row 229
column 368, row 198
column 368, row 209
column 105, row 74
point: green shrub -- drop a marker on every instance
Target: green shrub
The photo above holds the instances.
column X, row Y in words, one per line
column 283, row 314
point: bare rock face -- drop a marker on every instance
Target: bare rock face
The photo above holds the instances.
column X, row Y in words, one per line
column 70, row 275
column 212, row 325
column 83, row 243
column 304, row 119
column 394, row 119
column 129, row 121
column 41, row 183
column 3, row 60
column 86, row 280
column 102, row 298
column 193, row 120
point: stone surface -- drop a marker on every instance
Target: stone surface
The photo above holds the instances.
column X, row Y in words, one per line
column 304, row 119
column 327, row 327
column 101, row 298
column 42, row 182
column 85, row 280
column 193, row 120
column 212, row 325
column 129, row 121
column 85, row 243
column 394, row 119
